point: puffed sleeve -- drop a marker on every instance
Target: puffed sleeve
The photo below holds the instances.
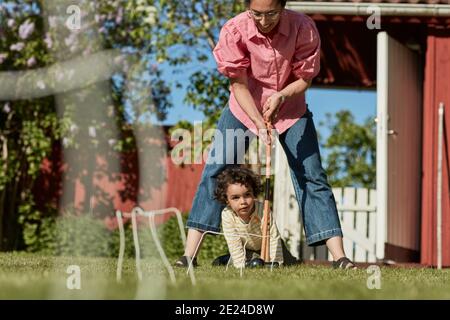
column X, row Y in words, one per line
column 306, row 60
column 230, row 53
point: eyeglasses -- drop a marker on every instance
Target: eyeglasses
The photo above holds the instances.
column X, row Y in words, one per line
column 269, row 15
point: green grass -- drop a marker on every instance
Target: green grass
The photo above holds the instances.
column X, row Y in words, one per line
column 29, row 276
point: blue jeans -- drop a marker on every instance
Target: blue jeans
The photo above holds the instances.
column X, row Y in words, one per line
column 313, row 193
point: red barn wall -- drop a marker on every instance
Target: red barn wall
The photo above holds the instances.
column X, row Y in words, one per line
column 436, row 90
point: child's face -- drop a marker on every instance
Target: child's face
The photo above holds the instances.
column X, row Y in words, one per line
column 240, row 199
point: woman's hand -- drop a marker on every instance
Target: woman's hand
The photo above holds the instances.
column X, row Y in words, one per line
column 272, row 106
column 263, row 132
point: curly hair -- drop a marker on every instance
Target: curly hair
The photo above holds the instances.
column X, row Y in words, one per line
column 236, row 175
column 282, row 2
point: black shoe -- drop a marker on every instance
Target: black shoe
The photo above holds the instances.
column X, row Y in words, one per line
column 222, row 260
column 184, row 262
column 255, row 263
column 343, row 263
column 288, row 258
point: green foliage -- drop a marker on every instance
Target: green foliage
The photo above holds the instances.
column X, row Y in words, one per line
column 212, row 246
column 85, row 235
column 30, row 128
column 171, row 237
column 194, row 26
column 41, row 237
column 208, row 92
column 351, row 161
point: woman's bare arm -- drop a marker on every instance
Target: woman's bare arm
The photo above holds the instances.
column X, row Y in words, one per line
column 295, row 88
column 245, row 100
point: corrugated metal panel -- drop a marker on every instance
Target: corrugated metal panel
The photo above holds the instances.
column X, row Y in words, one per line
column 404, row 146
column 348, row 55
column 436, row 90
column 384, row 1
column 388, row 9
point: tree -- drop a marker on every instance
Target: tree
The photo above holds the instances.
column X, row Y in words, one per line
column 34, row 35
column 188, row 32
column 351, row 151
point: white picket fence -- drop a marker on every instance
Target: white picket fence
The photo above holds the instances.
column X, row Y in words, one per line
column 357, row 212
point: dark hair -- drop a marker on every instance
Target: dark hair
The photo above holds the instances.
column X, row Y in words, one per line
column 236, row 175
column 282, row 2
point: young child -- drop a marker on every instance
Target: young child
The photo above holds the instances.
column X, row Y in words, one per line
column 238, row 188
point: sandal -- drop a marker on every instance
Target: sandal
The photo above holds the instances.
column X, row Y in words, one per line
column 184, row 262
column 343, row 263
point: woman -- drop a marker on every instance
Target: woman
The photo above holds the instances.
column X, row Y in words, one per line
column 270, row 55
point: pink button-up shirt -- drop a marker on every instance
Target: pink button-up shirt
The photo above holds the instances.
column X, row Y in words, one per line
column 270, row 64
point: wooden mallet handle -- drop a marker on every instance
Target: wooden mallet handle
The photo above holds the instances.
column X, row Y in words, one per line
column 265, row 254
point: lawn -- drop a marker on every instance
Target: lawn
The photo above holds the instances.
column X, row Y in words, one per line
column 29, row 276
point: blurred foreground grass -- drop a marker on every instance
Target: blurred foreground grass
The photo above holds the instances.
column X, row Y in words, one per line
column 30, row 276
